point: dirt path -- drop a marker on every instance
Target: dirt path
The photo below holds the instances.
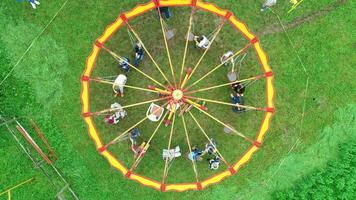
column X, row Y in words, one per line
column 276, row 28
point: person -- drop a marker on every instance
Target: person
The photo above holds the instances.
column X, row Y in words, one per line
column 238, row 88
column 119, row 83
column 237, row 99
column 119, row 113
column 34, row 3
column 139, row 150
column 214, row 163
column 124, row 64
column 267, row 4
column 202, row 41
column 139, row 54
column 133, row 135
column 165, row 11
column 224, row 59
column 195, row 155
column 171, row 154
column 210, row 147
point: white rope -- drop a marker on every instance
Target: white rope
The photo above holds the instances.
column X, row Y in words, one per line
column 133, row 42
column 33, row 42
column 215, row 30
column 303, row 66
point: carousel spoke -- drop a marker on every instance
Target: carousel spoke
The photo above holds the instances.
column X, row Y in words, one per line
column 225, row 125
column 186, row 44
column 147, row 145
column 225, row 84
column 210, row 44
column 220, row 65
column 228, row 104
column 190, row 149
column 165, row 171
column 119, row 59
column 167, row 48
column 148, row 53
column 100, row 80
column 128, row 106
column 207, row 137
column 126, row 131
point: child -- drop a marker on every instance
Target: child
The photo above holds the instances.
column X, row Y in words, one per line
column 267, row 4
column 120, row 113
column 237, row 99
column 139, row 54
column 171, row 154
column 195, row 155
column 134, row 134
column 124, row 65
column 202, row 42
column 119, row 83
column 226, row 57
column 214, row 163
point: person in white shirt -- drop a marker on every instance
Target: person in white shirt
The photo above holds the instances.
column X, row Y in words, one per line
column 34, row 3
column 267, row 4
column 202, row 41
column 119, row 83
column 224, row 59
column 119, row 113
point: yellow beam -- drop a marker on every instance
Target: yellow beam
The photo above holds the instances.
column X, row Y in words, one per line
column 16, row 186
column 148, row 53
column 186, row 44
column 225, row 125
column 167, row 49
column 222, row 85
column 207, row 137
column 225, row 103
column 202, row 107
column 295, row 6
column 125, row 132
column 119, row 58
column 190, row 148
column 165, row 171
column 99, row 80
column 206, row 51
column 128, row 106
column 138, row 159
column 186, row 78
column 217, row 67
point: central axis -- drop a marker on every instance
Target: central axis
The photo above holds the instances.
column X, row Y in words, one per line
column 177, row 95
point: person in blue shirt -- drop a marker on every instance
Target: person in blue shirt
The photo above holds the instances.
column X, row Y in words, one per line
column 195, row 155
column 124, row 65
column 139, row 54
column 134, row 134
column 237, row 99
column 166, row 12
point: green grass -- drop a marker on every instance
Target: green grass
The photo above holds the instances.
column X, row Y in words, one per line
column 45, row 86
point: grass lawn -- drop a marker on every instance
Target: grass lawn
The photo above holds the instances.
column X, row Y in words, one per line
column 45, row 86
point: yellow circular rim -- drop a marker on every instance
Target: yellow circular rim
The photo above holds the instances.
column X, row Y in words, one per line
column 270, row 93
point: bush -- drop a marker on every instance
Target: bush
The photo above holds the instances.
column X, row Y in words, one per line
column 336, row 181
